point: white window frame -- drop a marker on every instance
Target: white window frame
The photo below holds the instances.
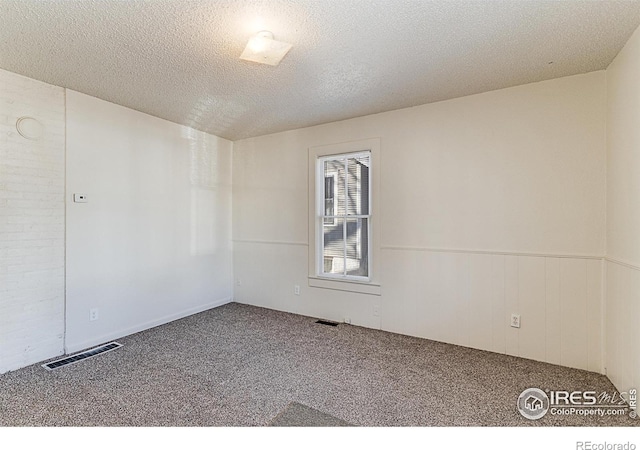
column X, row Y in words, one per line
column 317, row 156
column 320, row 215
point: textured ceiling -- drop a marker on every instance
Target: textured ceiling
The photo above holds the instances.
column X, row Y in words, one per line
column 179, row 59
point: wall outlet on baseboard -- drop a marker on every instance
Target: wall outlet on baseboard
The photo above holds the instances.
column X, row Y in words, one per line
column 93, row 314
column 296, row 289
column 238, row 281
column 347, row 320
column 515, row 320
column 376, row 310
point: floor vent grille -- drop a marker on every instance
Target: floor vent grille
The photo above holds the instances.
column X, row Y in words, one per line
column 82, row 356
column 327, row 322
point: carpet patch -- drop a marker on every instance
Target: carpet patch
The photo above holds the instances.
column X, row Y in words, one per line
column 299, row 415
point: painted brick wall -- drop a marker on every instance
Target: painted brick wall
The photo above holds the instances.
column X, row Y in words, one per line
column 32, row 220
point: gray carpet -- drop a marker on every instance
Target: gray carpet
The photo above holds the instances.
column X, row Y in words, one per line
column 298, row 415
column 240, row 365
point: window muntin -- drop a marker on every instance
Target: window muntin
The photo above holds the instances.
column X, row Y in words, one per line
column 344, row 216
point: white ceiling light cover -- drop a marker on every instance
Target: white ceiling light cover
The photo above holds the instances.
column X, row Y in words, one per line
column 262, row 48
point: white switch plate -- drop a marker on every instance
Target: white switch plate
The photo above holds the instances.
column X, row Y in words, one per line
column 80, row 198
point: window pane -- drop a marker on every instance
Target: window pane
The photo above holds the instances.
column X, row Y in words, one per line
column 329, row 199
column 333, row 251
column 335, row 169
column 358, row 185
column 358, row 247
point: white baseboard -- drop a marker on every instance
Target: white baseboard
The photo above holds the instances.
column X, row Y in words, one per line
column 97, row 340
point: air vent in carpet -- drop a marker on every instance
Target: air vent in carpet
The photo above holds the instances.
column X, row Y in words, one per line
column 327, row 322
column 82, row 356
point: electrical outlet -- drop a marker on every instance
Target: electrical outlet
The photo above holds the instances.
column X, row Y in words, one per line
column 296, row 289
column 93, row 314
column 347, row 320
column 376, row 310
column 238, row 281
column 515, row 320
column 80, row 198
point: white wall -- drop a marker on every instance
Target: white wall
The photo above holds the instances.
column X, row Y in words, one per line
column 153, row 243
column 491, row 204
column 31, row 224
column 623, row 217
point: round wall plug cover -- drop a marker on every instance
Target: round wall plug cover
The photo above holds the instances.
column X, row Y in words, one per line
column 30, row 128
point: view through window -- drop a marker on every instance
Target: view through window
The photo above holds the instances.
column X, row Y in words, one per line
column 344, row 203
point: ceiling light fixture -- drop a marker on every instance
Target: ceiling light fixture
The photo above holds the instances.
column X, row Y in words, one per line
column 262, row 48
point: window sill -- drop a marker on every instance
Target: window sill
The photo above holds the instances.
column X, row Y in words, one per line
column 345, row 285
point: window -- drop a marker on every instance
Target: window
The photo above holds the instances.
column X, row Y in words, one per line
column 344, row 231
column 343, row 211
